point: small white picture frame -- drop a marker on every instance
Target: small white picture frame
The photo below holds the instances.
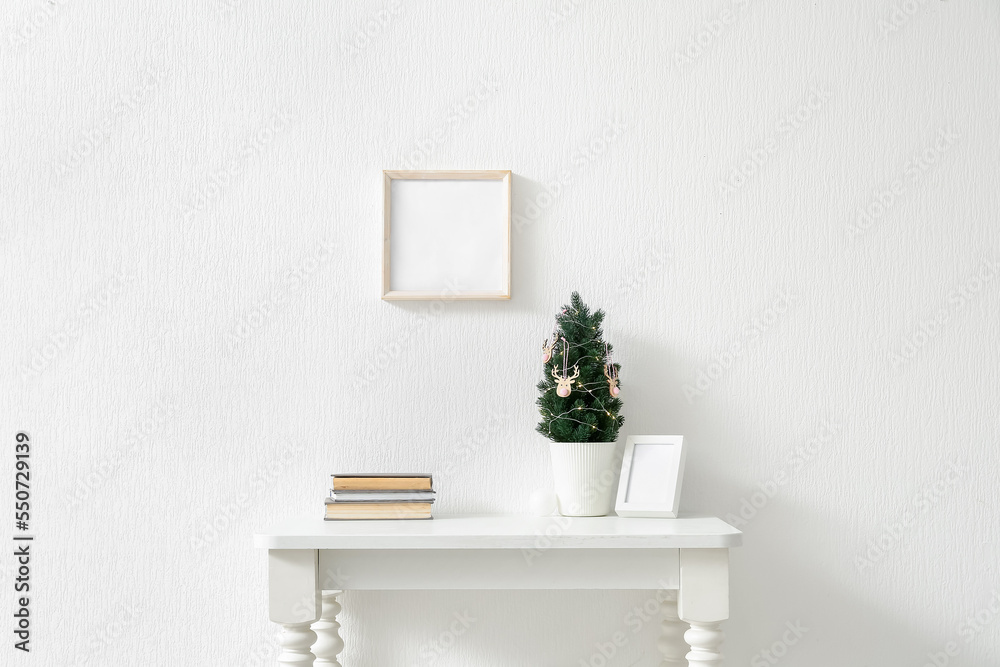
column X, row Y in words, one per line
column 652, row 472
column 446, row 235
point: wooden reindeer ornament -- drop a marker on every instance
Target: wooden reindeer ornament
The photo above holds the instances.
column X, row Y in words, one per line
column 564, row 381
column 611, row 373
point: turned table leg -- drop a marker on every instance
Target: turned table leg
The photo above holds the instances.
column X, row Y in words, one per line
column 328, row 642
column 703, row 602
column 705, row 640
column 671, row 642
column 294, row 602
column 295, row 640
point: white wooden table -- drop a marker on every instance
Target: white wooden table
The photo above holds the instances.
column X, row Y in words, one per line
column 311, row 562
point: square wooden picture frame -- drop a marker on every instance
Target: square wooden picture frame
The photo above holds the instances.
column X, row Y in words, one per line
column 447, row 235
column 651, row 476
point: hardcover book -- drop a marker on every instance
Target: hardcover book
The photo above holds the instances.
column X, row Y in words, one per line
column 377, row 510
column 379, row 496
column 381, row 482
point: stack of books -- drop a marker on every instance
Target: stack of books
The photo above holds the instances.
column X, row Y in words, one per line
column 374, row 496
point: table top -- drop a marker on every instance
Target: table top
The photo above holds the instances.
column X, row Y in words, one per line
column 465, row 531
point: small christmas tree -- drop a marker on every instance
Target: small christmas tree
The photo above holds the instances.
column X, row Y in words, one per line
column 578, row 397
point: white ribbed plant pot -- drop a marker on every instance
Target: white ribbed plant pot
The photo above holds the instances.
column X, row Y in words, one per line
column 584, row 476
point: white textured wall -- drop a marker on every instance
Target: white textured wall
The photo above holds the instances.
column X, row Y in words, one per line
column 191, row 199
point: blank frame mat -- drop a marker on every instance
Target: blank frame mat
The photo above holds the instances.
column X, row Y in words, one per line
column 649, row 481
column 448, row 234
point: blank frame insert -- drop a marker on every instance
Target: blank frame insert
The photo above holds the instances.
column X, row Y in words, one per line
column 647, row 483
column 447, row 235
